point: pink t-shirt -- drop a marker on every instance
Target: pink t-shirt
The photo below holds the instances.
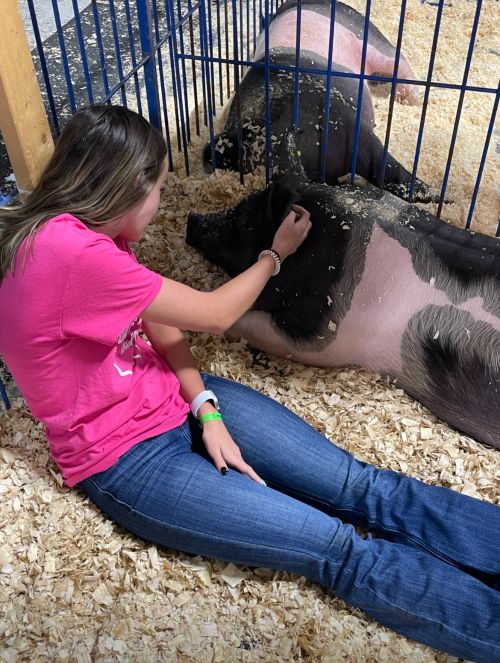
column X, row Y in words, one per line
column 69, row 333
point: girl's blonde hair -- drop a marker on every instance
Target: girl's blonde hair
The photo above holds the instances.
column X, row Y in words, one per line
column 105, row 161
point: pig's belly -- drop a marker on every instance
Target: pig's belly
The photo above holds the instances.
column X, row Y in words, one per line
column 387, row 297
column 315, row 36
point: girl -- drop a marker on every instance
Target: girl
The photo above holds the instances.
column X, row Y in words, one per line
column 183, row 459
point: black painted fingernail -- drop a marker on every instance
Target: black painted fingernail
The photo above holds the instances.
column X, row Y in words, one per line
column 223, row 471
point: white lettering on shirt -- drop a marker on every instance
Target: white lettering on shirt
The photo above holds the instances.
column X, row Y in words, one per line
column 127, row 347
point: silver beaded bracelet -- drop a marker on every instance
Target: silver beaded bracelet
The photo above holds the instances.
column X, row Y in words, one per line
column 275, row 256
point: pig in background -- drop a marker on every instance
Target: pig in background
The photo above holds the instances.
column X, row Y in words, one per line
column 247, row 110
column 379, row 284
column 347, row 41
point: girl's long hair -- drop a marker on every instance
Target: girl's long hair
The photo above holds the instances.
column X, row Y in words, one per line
column 106, row 160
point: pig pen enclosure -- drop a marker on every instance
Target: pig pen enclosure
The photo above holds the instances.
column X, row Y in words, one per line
column 74, row 586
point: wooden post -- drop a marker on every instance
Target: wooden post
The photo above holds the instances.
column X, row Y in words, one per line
column 23, row 121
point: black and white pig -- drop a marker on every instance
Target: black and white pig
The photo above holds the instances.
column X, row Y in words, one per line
column 378, row 283
column 247, row 109
column 347, row 41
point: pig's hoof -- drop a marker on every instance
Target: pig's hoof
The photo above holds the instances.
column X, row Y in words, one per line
column 408, row 95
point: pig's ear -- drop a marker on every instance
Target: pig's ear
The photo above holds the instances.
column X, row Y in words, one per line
column 282, row 195
column 226, row 149
column 225, row 152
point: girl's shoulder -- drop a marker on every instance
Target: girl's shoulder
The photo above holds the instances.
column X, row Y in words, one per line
column 65, row 245
column 65, row 235
column 66, row 228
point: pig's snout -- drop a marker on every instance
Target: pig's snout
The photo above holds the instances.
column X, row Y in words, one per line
column 194, row 231
column 204, row 233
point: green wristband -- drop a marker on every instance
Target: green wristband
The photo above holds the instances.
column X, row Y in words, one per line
column 209, row 416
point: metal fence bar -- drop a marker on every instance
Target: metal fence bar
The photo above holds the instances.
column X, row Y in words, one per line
column 83, row 52
column 62, row 46
column 5, row 200
column 204, row 83
column 328, row 90
column 483, row 160
column 357, row 127
column 297, row 65
column 194, row 75
column 366, row 77
column 397, row 57
column 157, row 47
column 159, row 61
column 219, row 52
column 176, row 82
column 43, row 65
column 114, row 28
column 254, row 24
column 211, row 51
column 248, row 30
column 4, row 397
column 236, row 74
column 146, row 34
column 267, row 94
column 209, row 89
column 226, row 31
column 133, row 56
column 100, row 47
column 459, row 106
column 183, row 70
column 241, row 33
column 426, row 99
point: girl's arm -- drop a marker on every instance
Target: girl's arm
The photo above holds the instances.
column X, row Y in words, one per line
column 178, row 305
column 169, row 342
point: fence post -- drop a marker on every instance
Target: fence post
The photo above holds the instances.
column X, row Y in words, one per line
column 23, row 121
column 148, row 51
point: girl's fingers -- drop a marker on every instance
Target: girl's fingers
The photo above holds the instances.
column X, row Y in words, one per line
column 239, row 464
column 219, row 462
column 227, row 455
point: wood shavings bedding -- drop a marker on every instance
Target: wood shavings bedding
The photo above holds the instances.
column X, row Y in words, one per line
column 77, row 588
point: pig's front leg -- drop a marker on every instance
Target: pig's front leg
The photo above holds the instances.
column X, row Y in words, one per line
column 257, row 328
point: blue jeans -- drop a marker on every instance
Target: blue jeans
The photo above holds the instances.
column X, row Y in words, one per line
column 432, row 572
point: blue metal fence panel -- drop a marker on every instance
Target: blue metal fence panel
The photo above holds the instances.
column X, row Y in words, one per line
column 117, row 32
column 179, row 48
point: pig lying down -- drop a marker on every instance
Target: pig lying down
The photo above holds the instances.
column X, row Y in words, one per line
column 247, row 110
column 347, row 41
column 379, row 284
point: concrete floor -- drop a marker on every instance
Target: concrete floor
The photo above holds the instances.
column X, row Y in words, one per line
column 45, row 16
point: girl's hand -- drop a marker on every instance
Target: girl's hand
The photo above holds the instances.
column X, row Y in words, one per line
column 292, row 232
column 224, row 451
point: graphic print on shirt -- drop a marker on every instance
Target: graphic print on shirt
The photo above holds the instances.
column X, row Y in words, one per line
column 128, row 350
